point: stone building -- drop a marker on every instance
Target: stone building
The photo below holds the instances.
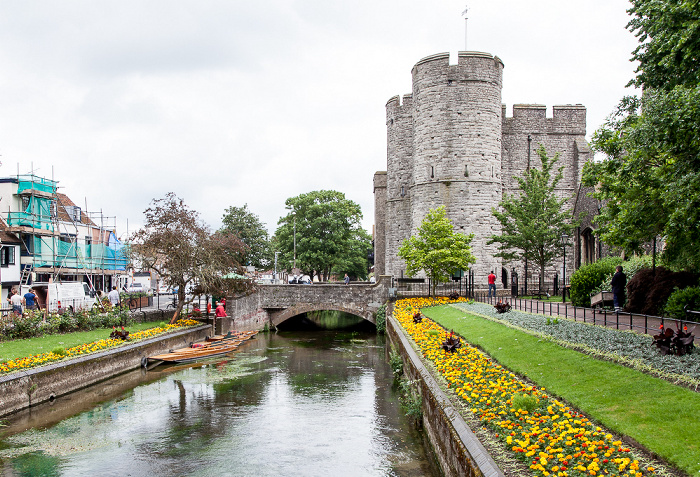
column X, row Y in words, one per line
column 451, row 143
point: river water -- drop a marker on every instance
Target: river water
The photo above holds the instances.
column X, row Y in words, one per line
column 292, row 403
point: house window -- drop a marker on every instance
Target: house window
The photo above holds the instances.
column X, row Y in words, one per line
column 88, row 246
column 7, row 256
column 53, row 208
column 73, row 212
column 25, row 203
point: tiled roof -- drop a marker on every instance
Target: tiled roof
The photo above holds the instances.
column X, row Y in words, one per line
column 63, row 202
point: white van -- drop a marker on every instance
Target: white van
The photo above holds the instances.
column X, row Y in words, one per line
column 63, row 295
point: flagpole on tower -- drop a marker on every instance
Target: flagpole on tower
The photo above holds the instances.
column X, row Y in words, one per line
column 464, row 13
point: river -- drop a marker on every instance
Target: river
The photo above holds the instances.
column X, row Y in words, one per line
column 291, row 403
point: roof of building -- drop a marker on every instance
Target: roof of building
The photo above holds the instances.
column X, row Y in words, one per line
column 63, row 202
column 5, row 236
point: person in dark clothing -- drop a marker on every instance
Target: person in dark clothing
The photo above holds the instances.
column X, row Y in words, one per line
column 618, row 283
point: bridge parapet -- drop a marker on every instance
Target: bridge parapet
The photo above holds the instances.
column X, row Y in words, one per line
column 273, row 304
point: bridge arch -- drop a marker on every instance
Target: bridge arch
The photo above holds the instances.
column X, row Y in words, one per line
column 281, row 316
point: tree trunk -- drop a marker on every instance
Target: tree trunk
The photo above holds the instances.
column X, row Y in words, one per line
column 180, row 304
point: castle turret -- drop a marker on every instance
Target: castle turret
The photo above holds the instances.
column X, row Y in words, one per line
column 457, row 145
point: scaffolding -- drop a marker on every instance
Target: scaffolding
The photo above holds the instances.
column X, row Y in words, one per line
column 60, row 237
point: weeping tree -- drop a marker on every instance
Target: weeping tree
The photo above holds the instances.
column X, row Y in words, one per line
column 176, row 244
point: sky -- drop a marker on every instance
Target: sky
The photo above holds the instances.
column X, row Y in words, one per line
column 235, row 102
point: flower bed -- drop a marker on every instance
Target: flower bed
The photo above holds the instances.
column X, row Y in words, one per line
column 540, row 430
column 626, row 347
column 43, row 358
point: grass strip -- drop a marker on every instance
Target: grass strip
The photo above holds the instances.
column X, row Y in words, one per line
column 660, row 416
column 43, row 344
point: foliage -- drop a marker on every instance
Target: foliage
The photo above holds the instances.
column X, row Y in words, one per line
column 396, row 364
column 525, row 402
column 649, row 290
column 621, row 346
column 437, row 249
column 57, row 354
column 543, row 439
column 669, row 43
column 590, row 276
column 381, row 319
column 177, row 245
column 630, row 268
column 247, row 226
column 649, row 183
column 679, row 299
column 410, row 400
column 534, row 218
column 33, row 322
column 329, row 237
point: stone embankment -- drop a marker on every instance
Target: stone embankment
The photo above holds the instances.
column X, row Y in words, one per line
column 456, row 448
column 27, row 388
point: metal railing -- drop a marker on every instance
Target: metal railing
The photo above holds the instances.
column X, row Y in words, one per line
column 620, row 320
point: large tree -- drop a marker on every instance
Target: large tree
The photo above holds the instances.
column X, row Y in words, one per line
column 437, row 249
column 533, row 218
column 177, row 245
column 253, row 233
column 325, row 226
column 649, row 181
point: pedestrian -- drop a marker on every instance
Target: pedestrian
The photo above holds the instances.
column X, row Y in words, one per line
column 346, row 279
column 114, row 297
column 618, row 283
column 492, row 284
column 16, row 301
column 220, row 312
column 29, row 300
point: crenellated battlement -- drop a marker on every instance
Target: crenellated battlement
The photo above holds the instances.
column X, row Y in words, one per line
column 451, row 143
column 532, row 118
column 471, row 66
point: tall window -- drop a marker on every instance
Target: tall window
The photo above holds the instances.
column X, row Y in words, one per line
column 588, row 251
column 25, row 203
column 7, row 255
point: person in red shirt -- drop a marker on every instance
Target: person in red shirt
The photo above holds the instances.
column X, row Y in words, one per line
column 220, row 312
column 492, row 284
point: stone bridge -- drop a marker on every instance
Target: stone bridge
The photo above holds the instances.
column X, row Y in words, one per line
column 273, row 304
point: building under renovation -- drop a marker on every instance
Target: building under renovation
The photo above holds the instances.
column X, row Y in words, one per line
column 57, row 240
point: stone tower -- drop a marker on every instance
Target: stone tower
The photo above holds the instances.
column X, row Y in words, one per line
column 449, row 143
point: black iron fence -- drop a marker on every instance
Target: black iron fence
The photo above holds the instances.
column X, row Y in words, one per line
column 647, row 324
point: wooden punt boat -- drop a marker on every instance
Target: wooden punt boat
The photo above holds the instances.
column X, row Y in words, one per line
column 215, row 346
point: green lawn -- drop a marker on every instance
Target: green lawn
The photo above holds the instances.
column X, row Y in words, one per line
column 662, row 417
column 31, row 346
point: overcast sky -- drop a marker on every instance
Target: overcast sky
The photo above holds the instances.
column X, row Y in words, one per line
column 234, row 102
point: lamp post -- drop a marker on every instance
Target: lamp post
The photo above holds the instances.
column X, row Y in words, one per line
column 274, row 276
column 564, row 237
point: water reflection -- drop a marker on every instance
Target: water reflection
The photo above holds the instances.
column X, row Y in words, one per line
column 293, row 403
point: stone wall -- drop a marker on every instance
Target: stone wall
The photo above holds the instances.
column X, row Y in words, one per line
column 46, row 383
column 456, row 448
column 450, row 143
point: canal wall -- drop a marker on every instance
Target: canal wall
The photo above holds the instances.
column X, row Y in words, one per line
column 23, row 389
column 457, row 449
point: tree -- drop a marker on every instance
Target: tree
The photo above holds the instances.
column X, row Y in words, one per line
column 252, row 232
column 437, row 249
column 533, row 219
column 649, row 181
column 177, row 245
column 325, row 226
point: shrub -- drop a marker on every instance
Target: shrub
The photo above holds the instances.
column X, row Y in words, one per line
column 525, row 402
column 648, row 291
column 396, row 364
column 381, row 319
column 588, row 277
column 25, row 326
column 679, row 299
column 630, row 268
column 59, row 351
